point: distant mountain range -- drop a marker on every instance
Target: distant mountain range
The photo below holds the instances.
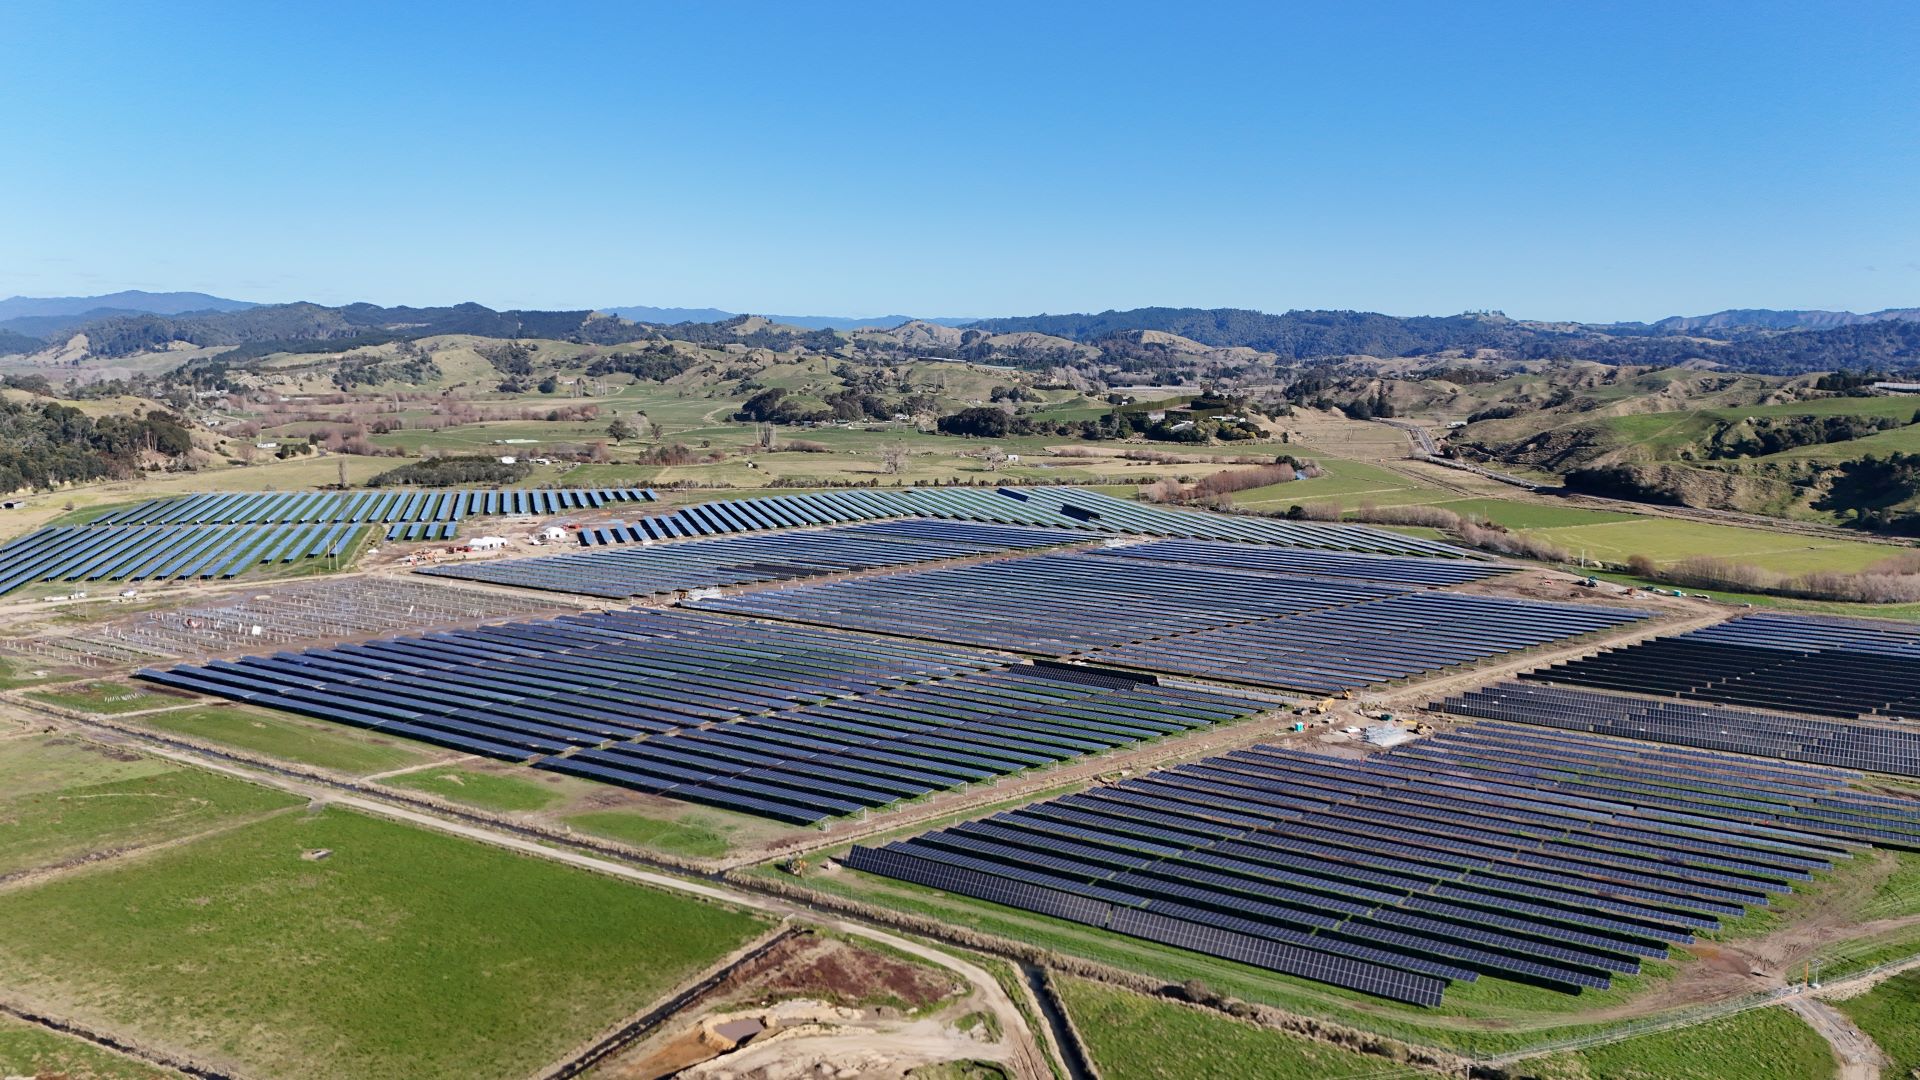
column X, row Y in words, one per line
column 132, row 300
column 1765, row 319
column 1759, row 340
column 667, row 316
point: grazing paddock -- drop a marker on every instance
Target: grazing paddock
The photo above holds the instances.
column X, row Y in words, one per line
column 403, row 953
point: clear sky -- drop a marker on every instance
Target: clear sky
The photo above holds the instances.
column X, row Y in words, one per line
column 1583, row 160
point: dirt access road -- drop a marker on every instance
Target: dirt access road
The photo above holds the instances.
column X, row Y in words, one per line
column 1860, row 1057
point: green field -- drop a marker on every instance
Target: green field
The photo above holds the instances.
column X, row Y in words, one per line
column 1350, row 483
column 35, row 1052
column 1890, row 1013
column 290, row 738
column 1668, row 540
column 405, row 953
column 1907, row 612
column 104, row 697
column 507, row 792
column 61, row 797
column 696, row 833
column 1515, row 514
column 1132, row 1037
column 1760, row 1044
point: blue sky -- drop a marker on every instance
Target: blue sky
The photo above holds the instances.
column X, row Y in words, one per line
column 1554, row 160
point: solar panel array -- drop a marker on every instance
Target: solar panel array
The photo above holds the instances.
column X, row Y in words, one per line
column 447, row 504
column 1868, row 747
column 789, row 723
column 1264, row 627
column 163, row 552
column 1559, row 861
column 808, row 763
column 1367, row 644
column 738, row 560
column 1827, row 667
column 221, row 534
column 1049, row 604
column 1431, row 572
column 1079, row 509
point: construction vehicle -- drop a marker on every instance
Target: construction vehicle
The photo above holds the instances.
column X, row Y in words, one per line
column 1327, row 704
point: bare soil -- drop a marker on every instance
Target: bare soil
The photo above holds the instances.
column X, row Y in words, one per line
column 828, row 969
column 863, row 1000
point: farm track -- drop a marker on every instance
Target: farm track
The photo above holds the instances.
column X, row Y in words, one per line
column 1859, row 1056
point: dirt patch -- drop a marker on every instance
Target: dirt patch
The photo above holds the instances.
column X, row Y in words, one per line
column 828, row 969
column 816, row 988
column 88, row 746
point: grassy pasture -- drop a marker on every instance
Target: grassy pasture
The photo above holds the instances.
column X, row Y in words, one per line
column 1761, row 1044
column 1515, row 514
column 1133, row 1037
column 63, row 798
column 291, row 738
column 1668, row 540
column 693, row 832
column 1907, row 612
column 104, row 697
column 403, row 953
column 505, row 791
column 1349, row 482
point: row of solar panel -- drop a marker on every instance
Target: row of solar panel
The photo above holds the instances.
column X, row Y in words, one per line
column 1852, row 746
column 1722, row 669
column 1467, row 854
column 159, row 553
column 1046, row 507
column 738, row 560
column 421, row 530
column 447, row 504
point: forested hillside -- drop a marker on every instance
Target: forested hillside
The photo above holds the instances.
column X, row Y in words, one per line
column 1770, row 342
column 48, row 443
column 1887, row 340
